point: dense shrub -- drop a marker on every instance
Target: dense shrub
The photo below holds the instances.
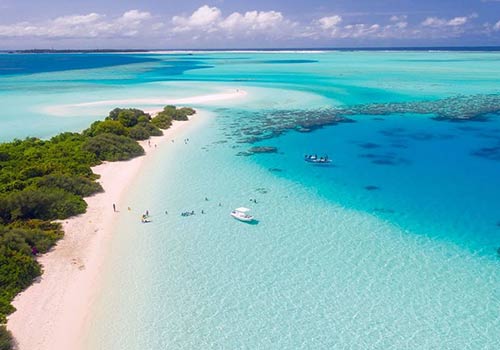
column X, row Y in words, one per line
column 113, row 147
column 143, row 131
column 187, row 111
column 37, row 233
column 145, row 118
column 78, row 185
column 30, row 159
column 40, row 203
column 6, row 342
column 128, row 116
column 139, row 132
column 162, row 120
column 178, row 114
column 152, row 129
column 17, row 271
column 106, row 126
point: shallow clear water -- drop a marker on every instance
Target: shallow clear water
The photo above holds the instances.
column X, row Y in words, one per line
column 310, row 274
column 393, row 246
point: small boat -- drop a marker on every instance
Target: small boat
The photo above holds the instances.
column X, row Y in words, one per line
column 241, row 214
column 317, row 160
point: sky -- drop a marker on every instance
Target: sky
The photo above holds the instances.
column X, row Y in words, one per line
column 192, row 24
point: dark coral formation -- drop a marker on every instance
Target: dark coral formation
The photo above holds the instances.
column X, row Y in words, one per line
column 273, row 123
column 263, row 149
column 402, row 134
column 385, row 158
column 398, row 145
column 369, row 145
column 491, row 153
column 458, row 108
column 258, row 149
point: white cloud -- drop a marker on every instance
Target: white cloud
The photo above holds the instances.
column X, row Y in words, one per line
column 203, row 17
column 252, row 20
column 206, row 20
column 359, row 30
column 329, row 22
column 457, row 21
column 441, row 22
column 135, row 15
column 433, row 22
column 395, row 27
column 77, row 20
column 91, row 25
column 209, row 24
column 400, row 18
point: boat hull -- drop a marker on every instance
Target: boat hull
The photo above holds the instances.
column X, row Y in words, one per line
column 318, row 161
column 248, row 218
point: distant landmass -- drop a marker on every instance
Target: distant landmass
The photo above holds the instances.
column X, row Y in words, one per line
column 408, row 48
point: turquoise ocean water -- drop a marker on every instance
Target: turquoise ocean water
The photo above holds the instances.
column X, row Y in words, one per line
column 393, row 246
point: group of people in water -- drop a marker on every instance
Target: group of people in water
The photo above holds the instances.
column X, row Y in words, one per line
column 192, row 212
column 145, row 218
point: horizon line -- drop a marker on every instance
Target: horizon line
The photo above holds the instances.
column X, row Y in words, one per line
column 344, row 48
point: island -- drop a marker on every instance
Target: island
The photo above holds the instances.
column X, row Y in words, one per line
column 43, row 181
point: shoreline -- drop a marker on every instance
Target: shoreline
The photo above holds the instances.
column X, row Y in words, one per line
column 52, row 312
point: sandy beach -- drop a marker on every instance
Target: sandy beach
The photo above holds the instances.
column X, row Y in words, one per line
column 51, row 313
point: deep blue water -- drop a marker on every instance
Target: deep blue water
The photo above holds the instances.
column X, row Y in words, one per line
column 424, row 175
column 19, row 64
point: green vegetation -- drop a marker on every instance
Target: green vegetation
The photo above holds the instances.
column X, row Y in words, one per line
column 178, row 113
column 163, row 120
column 112, row 147
column 6, row 342
column 46, row 180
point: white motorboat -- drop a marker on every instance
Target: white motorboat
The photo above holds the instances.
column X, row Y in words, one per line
column 241, row 214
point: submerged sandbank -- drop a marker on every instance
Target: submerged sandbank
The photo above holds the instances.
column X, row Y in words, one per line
column 147, row 104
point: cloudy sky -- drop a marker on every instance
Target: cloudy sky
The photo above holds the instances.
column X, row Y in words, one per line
column 247, row 24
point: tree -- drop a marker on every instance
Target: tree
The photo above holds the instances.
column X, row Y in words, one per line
column 128, row 116
column 162, row 120
column 106, row 126
column 113, row 147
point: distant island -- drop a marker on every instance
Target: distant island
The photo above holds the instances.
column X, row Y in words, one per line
column 71, row 51
column 46, row 180
column 375, row 48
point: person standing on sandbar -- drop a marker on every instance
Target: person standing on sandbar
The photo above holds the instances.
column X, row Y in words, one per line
column 114, row 207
